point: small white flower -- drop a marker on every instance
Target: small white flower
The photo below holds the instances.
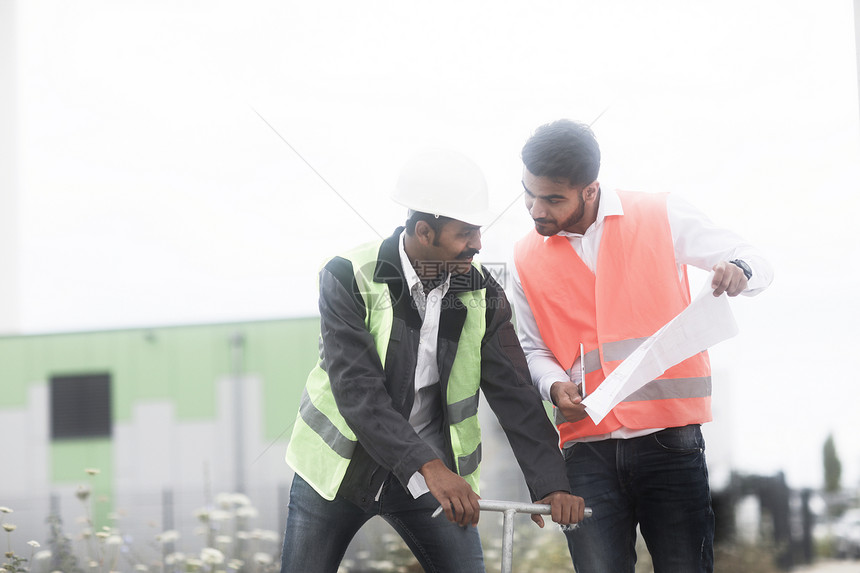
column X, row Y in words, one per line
column 194, row 563
column 174, row 558
column 83, row 493
column 33, row 543
column 256, row 534
column 225, row 500
column 102, row 535
column 240, row 499
column 92, row 471
column 4, row 509
column 141, row 567
column 168, row 536
column 219, row 515
column 114, row 540
column 211, row 556
column 262, row 558
column 44, row 554
column 246, row 511
column 9, row 527
column 223, row 540
column 93, row 564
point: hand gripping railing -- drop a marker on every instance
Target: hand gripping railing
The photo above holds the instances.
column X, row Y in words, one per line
column 509, row 508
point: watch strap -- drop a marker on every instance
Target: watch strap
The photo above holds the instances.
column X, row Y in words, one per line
column 744, row 267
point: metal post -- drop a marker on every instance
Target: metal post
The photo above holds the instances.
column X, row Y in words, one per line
column 167, row 513
column 508, row 541
column 237, row 344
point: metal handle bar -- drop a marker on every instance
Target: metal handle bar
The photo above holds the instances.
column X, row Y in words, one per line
column 509, row 508
column 515, row 506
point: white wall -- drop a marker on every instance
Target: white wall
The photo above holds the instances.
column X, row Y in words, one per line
column 152, row 453
column 8, row 182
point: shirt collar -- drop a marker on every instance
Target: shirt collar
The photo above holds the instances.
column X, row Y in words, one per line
column 609, row 205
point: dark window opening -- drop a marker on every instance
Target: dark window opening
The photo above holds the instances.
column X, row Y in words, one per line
column 80, row 406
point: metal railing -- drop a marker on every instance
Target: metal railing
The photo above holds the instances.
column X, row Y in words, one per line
column 509, row 508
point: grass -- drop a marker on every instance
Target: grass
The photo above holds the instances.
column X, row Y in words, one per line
column 226, row 542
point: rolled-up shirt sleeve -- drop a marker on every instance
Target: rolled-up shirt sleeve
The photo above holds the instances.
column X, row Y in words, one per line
column 701, row 243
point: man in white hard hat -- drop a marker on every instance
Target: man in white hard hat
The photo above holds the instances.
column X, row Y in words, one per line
column 411, row 330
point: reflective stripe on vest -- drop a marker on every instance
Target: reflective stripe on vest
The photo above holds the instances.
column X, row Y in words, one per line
column 463, row 386
column 635, row 291
column 322, row 444
column 326, row 430
column 659, row 389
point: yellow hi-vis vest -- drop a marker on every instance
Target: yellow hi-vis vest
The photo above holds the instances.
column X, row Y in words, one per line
column 322, row 443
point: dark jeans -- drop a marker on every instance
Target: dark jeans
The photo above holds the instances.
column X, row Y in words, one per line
column 659, row 481
column 319, row 531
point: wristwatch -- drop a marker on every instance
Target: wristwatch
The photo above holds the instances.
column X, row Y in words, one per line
column 744, row 267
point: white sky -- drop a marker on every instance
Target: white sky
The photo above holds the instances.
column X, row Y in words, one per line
column 151, row 193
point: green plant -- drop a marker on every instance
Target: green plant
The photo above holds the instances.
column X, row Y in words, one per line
column 61, row 554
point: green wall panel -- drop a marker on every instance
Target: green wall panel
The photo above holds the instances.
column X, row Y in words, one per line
column 181, row 364
column 14, row 379
column 289, row 354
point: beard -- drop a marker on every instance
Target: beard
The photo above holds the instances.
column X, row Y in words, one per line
column 549, row 227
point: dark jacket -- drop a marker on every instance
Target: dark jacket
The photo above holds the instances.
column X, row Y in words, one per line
column 376, row 399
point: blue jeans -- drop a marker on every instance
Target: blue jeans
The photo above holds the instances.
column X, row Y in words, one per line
column 659, row 481
column 319, row 531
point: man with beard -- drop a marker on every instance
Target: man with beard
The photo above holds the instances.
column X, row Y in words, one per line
column 411, row 329
column 602, row 271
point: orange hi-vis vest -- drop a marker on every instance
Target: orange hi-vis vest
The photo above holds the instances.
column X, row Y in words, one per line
column 634, row 292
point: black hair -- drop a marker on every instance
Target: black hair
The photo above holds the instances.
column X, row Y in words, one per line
column 563, row 149
column 436, row 223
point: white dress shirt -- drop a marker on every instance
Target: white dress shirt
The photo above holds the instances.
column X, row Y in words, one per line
column 698, row 242
column 425, row 416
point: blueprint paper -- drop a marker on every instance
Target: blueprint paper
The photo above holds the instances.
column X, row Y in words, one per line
column 707, row 321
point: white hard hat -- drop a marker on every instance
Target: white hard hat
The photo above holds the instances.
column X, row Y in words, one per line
column 446, row 183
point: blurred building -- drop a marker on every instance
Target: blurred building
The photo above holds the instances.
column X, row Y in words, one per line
column 169, row 417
